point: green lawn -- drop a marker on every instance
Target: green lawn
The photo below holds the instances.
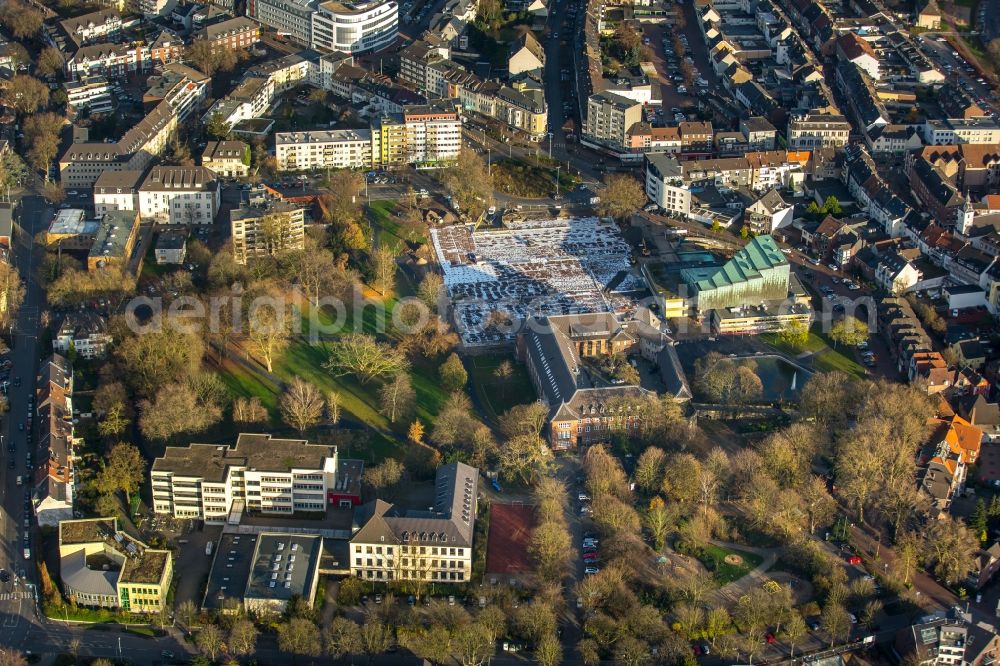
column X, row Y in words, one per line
column 714, row 558
column 392, row 232
column 825, row 357
column 494, row 395
column 813, row 344
column 243, row 384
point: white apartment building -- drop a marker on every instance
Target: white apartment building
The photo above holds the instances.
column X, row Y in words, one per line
column 961, row 130
column 227, row 158
column 610, row 116
column 116, row 190
column 435, row 545
column 92, row 93
column 321, row 149
column 181, row 87
column 274, row 476
column 818, row 131
column 436, row 140
column 665, row 184
column 289, row 17
column 180, row 195
column 355, row 27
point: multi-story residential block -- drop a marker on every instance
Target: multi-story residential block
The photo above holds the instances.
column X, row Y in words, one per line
column 263, row 227
column 355, row 27
column 322, row 149
column 252, row 98
column 768, row 213
column 113, row 60
column 961, row 130
column 83, row 163
column 114, row 240
column 644, row 138
column 759, row 133
column 117, row 190
column 610, row 117
column 92, row 94
column 70, row 230
column 94, row 27
column 181, row 87
column 818, row 131
column 424, row 65
column 257, row 473
column 696, row 137
column 86, row 333
column 166, row 48
column 422, row 134
column 526, row 55
column 133, row 577
column 393, row 544
column 227, row 158
column 896, row 274
column 52, row 487
column 180, row 195
column 292, row 18
column 235, row 34
column 665, row 184
column 414, row 59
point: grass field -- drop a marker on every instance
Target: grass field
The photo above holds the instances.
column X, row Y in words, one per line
column 242, row 384
column 813, row 344
column 392, row 232
column 497, row 396
column 825, row 358
column 714, row 557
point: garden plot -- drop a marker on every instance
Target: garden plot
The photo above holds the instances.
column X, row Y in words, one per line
column 538, row 267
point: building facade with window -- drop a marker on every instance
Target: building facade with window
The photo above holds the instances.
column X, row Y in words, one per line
column 434, row 545
column 355, row 27
column 180, row 195
column 265, row 475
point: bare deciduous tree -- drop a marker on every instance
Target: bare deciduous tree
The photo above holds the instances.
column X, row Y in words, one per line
column 301, row 405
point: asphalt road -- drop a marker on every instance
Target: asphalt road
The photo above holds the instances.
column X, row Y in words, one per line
column 21, row 625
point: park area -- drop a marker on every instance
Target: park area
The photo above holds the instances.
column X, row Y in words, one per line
column 817, row 352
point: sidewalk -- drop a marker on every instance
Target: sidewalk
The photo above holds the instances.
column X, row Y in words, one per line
column 733, row 591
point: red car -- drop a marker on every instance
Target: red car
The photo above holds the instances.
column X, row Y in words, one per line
column 696, row 649
column 769, row 638
column 854, row 559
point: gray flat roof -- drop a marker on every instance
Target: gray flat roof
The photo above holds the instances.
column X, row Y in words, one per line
column 284, row 565
column 227, row 581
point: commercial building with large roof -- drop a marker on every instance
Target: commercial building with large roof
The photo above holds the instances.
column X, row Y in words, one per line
column 261, row 572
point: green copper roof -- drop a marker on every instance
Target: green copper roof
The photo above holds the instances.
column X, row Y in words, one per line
column 760, row 254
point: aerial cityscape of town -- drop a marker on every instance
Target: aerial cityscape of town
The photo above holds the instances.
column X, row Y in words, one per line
column 468, row 332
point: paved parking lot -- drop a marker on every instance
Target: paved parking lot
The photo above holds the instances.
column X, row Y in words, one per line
column 191, row 565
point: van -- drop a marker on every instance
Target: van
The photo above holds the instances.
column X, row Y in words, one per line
column 208, row 547
column 20, row 481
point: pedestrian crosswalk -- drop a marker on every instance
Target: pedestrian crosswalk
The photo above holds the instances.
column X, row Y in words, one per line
column 14, row 596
